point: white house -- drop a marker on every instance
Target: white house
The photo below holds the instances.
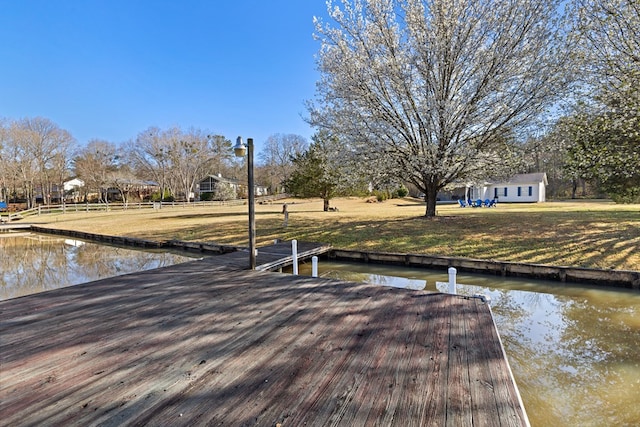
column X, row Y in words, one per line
column 73, row 184
column 525, row 188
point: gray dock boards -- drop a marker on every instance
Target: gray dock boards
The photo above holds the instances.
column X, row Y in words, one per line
column 200, row 344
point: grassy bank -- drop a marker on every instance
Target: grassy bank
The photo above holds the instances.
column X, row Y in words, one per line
column 585, row 234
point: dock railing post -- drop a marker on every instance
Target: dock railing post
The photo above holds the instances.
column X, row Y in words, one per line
column 294, row 254
column 452, row 280
column 314, row 266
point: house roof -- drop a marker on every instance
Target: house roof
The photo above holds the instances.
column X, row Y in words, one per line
column 220, row 179
column 527, row 178
column 522, row 178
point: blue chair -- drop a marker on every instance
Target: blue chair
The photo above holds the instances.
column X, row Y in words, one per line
column 487, row 202
column 463, row 204
column 492, row 203
column 478, row 203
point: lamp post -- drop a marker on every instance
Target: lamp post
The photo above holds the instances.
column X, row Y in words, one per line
column 240, row 150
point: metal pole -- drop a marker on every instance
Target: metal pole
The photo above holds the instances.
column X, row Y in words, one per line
column 252, row 206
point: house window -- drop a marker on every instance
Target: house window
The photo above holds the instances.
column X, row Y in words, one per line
column 530, row 191
column 495, row 193
column 519, row 191
column 505, row 191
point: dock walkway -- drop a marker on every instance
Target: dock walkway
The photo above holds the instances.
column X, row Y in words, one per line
column 272, row 257
column 201, row 343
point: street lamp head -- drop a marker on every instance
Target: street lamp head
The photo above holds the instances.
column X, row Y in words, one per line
column 240, row 149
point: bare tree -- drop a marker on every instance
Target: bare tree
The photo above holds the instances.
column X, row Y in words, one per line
column 96, row 165
column 176, row 159
column 124, row 180
column 35, row 156
column 276, row 158
column 5, row 163
column 50, row 148
column 18, row 169
column 191, row 159
column 430, row 86
column 150, row 155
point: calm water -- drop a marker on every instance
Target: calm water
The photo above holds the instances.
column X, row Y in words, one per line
column 574, row 351
column 32, row 263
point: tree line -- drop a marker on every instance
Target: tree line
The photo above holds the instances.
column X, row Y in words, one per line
column 37, row 157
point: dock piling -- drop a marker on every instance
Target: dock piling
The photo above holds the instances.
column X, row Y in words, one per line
column 294, row 254
column 452, row 280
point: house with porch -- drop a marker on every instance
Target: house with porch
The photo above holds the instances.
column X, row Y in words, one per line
column 521, row 188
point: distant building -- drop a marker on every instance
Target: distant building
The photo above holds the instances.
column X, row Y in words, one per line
column 74, row 190
column 73, row 184
column 210, row 188
column 521, row 188
column 213, row 188
column 527, row 188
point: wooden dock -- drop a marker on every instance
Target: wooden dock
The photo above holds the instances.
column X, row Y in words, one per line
column 276, row 256
column 204, row 344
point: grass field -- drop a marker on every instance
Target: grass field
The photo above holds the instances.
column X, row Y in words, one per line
column 594, row 234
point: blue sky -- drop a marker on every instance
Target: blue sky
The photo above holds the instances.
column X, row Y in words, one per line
column 109, row 69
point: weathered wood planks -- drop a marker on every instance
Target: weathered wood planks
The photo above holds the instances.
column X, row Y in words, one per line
column 199, row 344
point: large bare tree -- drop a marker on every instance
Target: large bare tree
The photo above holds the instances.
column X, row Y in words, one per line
column 191, row 158
column 150, row 155
column 176, row 159
column 433, row 86
column 97, row 164
column 50, row 148
column 35, row 155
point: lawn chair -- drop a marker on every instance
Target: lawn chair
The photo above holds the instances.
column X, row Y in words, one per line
column 487, row 202
column 477, row 204
column 492, row 203
column 463, row 204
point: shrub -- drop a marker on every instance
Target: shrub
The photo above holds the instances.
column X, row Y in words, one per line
column 381, row 195
column 206, row 197
column 402, row 191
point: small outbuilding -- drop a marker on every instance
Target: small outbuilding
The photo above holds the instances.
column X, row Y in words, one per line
column 521, row 188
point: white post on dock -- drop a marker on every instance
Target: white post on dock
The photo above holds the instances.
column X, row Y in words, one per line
column 294, row 254
column 452, row 280
column 314, row 266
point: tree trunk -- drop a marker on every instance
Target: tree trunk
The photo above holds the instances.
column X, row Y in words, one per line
column 326, row 205
column 430, row 200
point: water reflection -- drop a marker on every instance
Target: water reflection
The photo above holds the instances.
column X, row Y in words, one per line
column 574, row 351
column 33, row 263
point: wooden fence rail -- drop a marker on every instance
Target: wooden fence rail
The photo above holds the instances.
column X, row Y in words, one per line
column 86, row 207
